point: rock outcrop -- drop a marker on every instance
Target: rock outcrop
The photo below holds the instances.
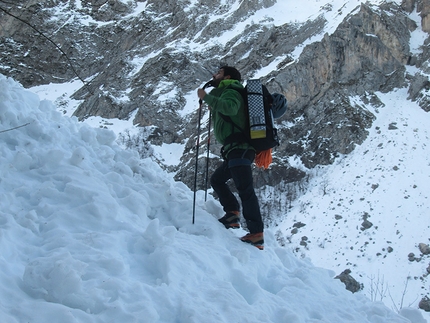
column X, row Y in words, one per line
column 145, row 59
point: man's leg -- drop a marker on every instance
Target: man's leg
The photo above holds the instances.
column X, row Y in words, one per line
column 219, row 183
column 242, row 176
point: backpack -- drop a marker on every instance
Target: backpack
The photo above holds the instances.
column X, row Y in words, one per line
column 258, row 105
column 260, row 131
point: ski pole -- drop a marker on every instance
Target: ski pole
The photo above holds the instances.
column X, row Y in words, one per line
column 207, row 157
column 197, row 160
column 197, row 151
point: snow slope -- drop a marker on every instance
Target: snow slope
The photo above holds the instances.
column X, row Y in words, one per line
column 90, row 233
column 385, row 180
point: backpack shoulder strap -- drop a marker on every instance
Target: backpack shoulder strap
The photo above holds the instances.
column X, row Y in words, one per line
column 235, row 137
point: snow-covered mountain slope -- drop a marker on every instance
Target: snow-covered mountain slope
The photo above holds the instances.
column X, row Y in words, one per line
column 383, row 182
column 370, row 210
column 90, row 233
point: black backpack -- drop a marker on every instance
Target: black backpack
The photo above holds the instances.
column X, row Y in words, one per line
column 260, row 131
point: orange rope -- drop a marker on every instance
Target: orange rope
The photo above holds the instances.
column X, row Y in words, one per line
column 264, row 158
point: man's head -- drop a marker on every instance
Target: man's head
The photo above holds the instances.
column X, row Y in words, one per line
column 232, row 72
column 225, row 73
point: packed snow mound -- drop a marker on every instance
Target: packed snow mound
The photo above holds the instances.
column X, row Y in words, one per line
column 91, row 233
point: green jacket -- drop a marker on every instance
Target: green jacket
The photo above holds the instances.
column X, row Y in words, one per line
column 227, row 101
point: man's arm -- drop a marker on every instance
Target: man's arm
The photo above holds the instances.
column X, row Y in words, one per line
column 228, row 103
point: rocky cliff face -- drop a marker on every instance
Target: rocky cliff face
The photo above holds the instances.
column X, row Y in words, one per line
column 367, row 53
column 419, row 82
column 141, row 59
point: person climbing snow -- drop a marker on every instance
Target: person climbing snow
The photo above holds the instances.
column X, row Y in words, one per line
column 238, row 155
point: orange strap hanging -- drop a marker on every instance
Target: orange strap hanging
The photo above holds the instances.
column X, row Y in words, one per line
column 263, row 159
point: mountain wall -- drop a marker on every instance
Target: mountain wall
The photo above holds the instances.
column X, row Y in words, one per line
column 143, row 59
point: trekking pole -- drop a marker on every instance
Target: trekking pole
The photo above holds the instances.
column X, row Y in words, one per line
column 197, row 151
column 197, row 160
column 207, row 157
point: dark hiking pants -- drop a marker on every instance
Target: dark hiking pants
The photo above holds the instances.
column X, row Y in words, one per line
column 238, row 167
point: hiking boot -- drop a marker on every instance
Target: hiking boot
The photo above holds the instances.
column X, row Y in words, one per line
column 230, row 220
column 256, row 239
